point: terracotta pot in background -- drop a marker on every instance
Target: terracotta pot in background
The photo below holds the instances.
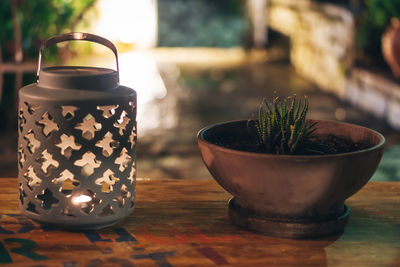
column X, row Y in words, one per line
column 391, row 46
column 293, row 196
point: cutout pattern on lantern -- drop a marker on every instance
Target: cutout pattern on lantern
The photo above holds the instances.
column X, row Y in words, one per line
column 89, row 163
column 47, row 161
column 108, row 111
column 68, row 112
column 32, row 208
column 123, row 160
column 107, row 181
column 32, row 178
column 47, row 199
column 33, row 143
column 66, row 182
column 22, row 194
column 21, row 156
column 88, row 126
column 85, row 169
column 48, row 124
column 132, row 137
column 21, row 120
column 122, row 122
column 108, row 144
column 67, row 144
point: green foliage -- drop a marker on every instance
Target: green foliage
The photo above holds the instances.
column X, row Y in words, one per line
column 282, row 127
column 39, row 19
column 373, row 23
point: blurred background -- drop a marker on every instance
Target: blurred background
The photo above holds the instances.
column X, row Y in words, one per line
column 198, row 62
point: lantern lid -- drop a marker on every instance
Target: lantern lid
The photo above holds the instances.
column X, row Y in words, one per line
column 81, row 78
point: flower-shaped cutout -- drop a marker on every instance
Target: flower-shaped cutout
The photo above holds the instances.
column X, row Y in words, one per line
column 22, row 194
column 67, row 144
column 68, row 112
column 47, row 162
column 107, row 181
column 32, row 208
column 125, row 194
column 122, row 122
column 132, row 174
column 88, row 163
column 33, row 143
column 123, row 160
column 132, row 137
column 33, row 179
column 47, row 199
column 88, row 126
column 108, row 111
column 108, row 144
column 21, row 120
column 21, row 156
column 66, row 182
column 48, row 124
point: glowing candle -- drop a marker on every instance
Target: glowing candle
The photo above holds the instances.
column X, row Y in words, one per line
column 81, row 199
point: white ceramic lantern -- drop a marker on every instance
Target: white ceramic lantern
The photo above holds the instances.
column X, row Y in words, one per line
column 76, row 147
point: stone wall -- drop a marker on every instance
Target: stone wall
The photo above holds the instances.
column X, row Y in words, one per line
column 322, row 48
column 322, row 39
column 374, row 93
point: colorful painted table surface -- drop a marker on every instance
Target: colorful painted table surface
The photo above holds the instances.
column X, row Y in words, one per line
column 185, row 223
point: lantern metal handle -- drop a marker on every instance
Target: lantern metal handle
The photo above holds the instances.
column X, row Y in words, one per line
column 77, row 36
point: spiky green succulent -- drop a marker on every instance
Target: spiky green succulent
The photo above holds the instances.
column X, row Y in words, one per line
column 282, row 127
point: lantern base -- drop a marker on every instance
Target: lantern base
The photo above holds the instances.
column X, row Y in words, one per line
column 71, row 227
column 75, row 225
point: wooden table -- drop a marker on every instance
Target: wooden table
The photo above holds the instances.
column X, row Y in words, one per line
column 185, row 223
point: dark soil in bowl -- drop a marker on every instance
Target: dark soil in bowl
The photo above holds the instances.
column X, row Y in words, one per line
column 246, row 142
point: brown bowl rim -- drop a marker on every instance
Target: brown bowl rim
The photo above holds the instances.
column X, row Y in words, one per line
column 200, row 139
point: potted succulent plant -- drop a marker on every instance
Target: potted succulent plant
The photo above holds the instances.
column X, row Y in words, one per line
column 289, row 175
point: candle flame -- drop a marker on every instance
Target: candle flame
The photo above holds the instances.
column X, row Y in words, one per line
column 81, row 199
